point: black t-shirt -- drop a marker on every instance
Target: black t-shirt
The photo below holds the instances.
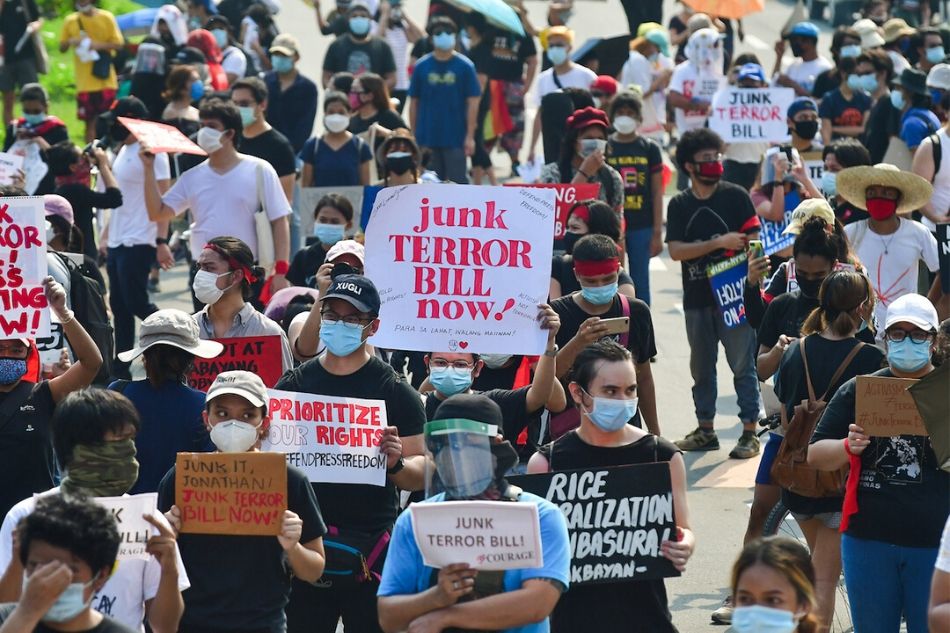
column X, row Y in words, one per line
column 883, row 123
column 562, row 269
column 368, row 509
column 785, row 315
column 83, row 200
column 903, row 496
column 27, row 464
column 636, row 162
column 631, row 606
column 500, row 378
column 509, row 52
column 304, row 266
column 273, row 147
column 824, row 357
column 641, row 341
column 690, row 219
column 422, row 48
column 849, row 214
column 241, row 583
column 389, row 119
column 13, row 20
column 107, row 625
column 826, row 81
column 347, row 55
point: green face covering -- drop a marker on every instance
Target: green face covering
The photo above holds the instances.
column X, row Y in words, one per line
column 107, row 469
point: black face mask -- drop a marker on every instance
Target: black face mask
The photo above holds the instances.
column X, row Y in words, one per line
column 399, row 164
column 570, row 239
column 797, row 49
column 810, row 287
column 119, row 133
column 806, row 129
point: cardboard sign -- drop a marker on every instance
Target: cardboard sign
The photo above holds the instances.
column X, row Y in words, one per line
column 884, row 408
column 260, row 355
column 24, row 310
column 728, row 279
column 617, row 519
column 231, row 493
column 943, row 252
column 565, row 196
column 160, row 137
column 331, row 439
column 134, row 531
column 751, row 115
column 814, row 165
column 488, row 535
column 10, row 165
column 461, row 267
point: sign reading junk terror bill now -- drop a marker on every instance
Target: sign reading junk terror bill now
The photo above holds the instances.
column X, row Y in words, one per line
column 616, row 518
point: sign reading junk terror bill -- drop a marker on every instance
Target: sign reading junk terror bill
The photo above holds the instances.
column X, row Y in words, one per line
column 616, row 518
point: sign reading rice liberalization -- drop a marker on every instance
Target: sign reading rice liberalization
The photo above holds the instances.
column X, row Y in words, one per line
column 488, row 535
column 23, row 305
column 331, row 439
column 461, row 268
column 751, row 115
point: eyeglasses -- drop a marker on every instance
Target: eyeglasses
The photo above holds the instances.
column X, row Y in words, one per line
column 441, row 363
column 917, row 336
column 352, row 320
column 709, row 159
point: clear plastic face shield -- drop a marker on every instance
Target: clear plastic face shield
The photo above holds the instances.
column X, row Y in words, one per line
column 459, row 458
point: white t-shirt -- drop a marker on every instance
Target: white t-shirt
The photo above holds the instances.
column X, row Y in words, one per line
column 943, row 556
column 687, row 81
column 129, row 224
column 234, row 62
column 640, row 71
column 577, row 77
column 124, row 595
column 224, row 204
column 804, row 73
column 941, row 181
column 891, row 260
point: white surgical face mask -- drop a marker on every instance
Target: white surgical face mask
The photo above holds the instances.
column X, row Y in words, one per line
column 626, row 124
column 336, row 122
column 206, row 288
column 209, row 139
column 233, row 436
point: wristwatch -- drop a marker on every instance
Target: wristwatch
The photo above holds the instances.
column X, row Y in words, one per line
column 552, row 352
column 160, row 240
column 396, row 467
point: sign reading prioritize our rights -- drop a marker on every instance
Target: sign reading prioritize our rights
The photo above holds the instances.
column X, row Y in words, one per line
column 260, row 355
column 617, row 518
column 488, row 535
column 231, row 493
column 751, row 115
column 461, row 267
column 24, row 310
column 884, row 408
column 331, row 439
column 134, row 531
column 943, row 252
column 727, row 279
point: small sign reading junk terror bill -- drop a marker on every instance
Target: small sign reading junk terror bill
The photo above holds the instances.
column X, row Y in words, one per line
column 616, row 518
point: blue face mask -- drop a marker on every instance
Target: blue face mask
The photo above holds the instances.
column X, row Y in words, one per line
column 935, row 54
column 907, row 355
column 281, row 64
column 868, row 83
column 854, row 82
column 247, row 115
column 34, row 119
column 11, row 370
column 359, row 25
column 852, row 50
column 829, row 183
column 557, row 54
column 759, row 619
column 197, row 90
column 341, row 339
column 599, row 295
column 221, row 37
column 69, row 604
column 444, row 41
column 610, row 415
column 936, row 96
column 328, row 234
column 449, row 381
column 897, row 99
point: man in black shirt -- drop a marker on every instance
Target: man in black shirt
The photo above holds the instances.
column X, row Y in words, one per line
column 347, row 368
column 706, row 224
column 292, row 103
column 19, row 64
column 358, row 51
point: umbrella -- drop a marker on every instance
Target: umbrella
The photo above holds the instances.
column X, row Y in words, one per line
column 932, row 395
column 729, row 9
column 611, row 53
column 496, row 12
column 137, row 22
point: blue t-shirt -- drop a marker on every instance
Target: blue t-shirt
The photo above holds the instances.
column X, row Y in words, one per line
column 335, row 167
column 404, row 572
column 170, row 423
column 842, row 112
column 443, row 90
column 916, row 125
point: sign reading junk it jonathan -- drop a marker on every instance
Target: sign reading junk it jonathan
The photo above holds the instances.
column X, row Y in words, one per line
column 460, row 267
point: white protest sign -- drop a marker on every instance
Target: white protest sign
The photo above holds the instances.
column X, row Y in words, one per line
column 33, row 166
column 331, row 439
column 461, row 267
column 134, row 531
column 747, row 115
column 814, row 166
column 10, row 164
column 489, row 535
column 23, row 306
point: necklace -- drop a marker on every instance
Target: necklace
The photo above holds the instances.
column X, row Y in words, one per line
column 887, row 243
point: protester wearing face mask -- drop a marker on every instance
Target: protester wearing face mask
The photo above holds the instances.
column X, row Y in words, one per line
column 237, row 418
column 802, row 74
column 359, row 51
column 741, row 164
column 94, row 438
column 468, row 462
column 897, row 497
column 338, row 158
column 234, row 61
column 888, row 245
column 400, row 159
column 291, row 97
column 35, row 127
column 706, row 224
column 773, row 588
column 911, row 99
column 844, row 110
column 224, row 192
column 604, row 388
column 803, row 121
column 845, row 44
column 199, row 12
column 373, row 114
column 69, row 549
column 349, row 313
column 836, row 157
column 333, row 217
column 649, row 66
column 183, row 88
column 781, row 186
column 930, row 49
column 225, row 274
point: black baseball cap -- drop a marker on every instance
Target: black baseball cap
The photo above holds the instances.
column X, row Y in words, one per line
column 356, row 290
column 469, row 406
column 131, row 107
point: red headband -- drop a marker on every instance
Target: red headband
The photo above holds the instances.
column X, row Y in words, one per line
column 233, row 263
column 586, row 268
column 582, row 211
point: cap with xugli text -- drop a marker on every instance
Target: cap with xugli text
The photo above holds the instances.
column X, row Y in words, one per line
column 356, row 290
column 239, row 383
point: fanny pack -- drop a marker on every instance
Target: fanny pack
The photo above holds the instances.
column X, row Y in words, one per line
column 352, row 557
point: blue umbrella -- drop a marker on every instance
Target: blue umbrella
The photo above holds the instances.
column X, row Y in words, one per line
column 136, row 22
column 496, row 12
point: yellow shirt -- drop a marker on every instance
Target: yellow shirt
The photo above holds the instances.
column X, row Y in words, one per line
column 100, row 27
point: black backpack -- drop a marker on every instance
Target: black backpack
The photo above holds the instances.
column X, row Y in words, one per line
column 85, row 299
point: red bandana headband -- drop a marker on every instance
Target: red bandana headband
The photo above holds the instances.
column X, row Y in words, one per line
column 586, row 268
column 233, row 263
column 582, row 211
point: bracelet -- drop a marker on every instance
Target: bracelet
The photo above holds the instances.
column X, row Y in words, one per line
column 281, row 267
column 160, row 241
column 589, row 178
column 70, row 317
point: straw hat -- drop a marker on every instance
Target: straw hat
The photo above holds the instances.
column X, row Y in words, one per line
column 854, row 181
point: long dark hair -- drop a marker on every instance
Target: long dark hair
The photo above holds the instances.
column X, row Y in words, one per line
column 373, row 83
column 167, row 363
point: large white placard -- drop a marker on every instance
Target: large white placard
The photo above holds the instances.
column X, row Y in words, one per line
column 134, row 531
column 460, row 267
column 23, row 306
column 331, row 439
column 751, row 115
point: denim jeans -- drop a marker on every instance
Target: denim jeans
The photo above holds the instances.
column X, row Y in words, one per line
column 128, row 268
column 885, row 581
column 638, row 252
column 705, row 329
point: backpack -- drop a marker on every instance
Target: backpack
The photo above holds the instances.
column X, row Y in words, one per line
column 85, row 300
column 790, row 469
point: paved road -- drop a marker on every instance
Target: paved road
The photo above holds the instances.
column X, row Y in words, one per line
column 719, row 488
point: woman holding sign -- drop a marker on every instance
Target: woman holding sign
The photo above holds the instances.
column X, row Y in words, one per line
column 604, row 388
